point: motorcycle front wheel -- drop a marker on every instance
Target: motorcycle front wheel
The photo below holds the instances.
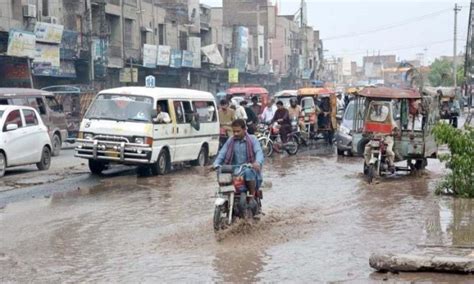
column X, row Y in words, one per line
column 370, row 173
column 219, row 221
column 292, row 146
column 267, row 146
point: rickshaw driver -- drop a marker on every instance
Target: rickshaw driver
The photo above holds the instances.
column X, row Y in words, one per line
column 380, row 113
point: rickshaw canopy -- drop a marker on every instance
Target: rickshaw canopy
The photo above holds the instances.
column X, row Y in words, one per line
column 315, row 91
column 247, row 91
column 389, row 93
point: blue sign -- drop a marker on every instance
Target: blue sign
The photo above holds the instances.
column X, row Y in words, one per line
column 150, row 81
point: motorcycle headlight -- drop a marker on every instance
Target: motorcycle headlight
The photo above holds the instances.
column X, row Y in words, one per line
column 88, row 136
column 345, row 130
column 139, row 140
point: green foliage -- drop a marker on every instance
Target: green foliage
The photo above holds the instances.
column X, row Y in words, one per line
column 441, row 73
column 460, row 160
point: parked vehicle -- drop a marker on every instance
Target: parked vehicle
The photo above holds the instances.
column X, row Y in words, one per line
column 248, row 92
column 45, row 103
column 24, row 139
column 232, row 197
column 120, row 127
column 74, row 99
column 344, row 132
column 392, row 112
column 449, row 103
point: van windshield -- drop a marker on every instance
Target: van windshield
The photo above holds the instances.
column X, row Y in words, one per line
column 121, row 108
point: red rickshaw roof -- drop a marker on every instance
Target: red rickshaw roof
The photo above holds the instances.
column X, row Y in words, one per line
column 389, row 93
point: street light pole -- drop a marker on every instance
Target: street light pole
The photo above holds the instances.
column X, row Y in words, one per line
column 456, row 10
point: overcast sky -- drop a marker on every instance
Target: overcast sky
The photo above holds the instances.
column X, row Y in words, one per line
column 404, row 27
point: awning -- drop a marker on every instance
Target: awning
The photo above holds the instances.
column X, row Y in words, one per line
column 212, row 52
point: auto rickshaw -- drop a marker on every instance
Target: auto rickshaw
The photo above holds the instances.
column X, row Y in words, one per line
column 404, row 116
column 247, row 93
column 319, row 107
column 285, row 97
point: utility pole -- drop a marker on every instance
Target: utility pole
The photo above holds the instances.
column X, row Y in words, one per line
column 456, row 10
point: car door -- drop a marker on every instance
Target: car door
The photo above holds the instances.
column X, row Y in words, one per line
column 14, row 140
column 33, row 136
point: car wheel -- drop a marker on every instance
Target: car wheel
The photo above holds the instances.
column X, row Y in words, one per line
column 162, row 165
column 3, row 164
column 96, row 167
column 45, row 159
column 56, row 144
column 203, row 158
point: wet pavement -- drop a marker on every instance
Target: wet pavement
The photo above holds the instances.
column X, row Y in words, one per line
column 322, row 223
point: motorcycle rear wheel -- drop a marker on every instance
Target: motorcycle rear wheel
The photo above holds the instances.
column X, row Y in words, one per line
column 292, row 146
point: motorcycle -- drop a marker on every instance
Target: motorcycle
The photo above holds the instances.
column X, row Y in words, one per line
column 270, row 140
column 233, row 198
column 378, row 163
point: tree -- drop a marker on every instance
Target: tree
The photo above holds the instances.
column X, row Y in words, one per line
column 441, row 73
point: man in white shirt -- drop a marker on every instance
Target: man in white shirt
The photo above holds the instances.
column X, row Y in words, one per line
column 240, row 112
column 269, row 112
column 162, row 117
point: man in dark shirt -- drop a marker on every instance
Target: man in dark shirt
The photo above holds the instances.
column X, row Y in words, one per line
column 252, row 119
column 283, row 118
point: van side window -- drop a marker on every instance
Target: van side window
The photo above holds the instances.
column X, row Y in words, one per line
column 41, row 106
column 53, row 104
column 188, row 111
column 16, row 102
column 13, row 117
column 178, row 108
column 30, row 117
column 3, row 102
column 206, row 111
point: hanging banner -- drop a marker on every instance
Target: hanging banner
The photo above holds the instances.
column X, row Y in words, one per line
column 233, row 75
column 164, row 54
column 150, row 53
column 46, row 61
column 21, row 44
column 212, row 52
column 188, row 57
column 128, row 75
column 194, row 45
column 49, row 33
column 176, row 58
column 69, row 45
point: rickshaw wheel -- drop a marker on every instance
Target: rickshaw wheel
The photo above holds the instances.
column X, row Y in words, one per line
column 370, row 173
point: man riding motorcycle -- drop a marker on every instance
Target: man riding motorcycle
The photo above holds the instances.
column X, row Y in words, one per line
column 241, row 149
column 295, row 112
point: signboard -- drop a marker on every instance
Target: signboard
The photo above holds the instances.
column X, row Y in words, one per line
column 99, row 53
column 212, row 52
column 126, row 74
column 49, row 33
column 188, row 57
column 150, row 81
column 233, row 75
column 176, row 58
column 194, row 45
column 69, row 45
column 46, row 61
column 150, row 54
column 15, row 72
column 164, row 55
column 21, row 44
column 67, row 69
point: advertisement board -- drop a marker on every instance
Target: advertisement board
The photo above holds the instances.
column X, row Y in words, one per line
column 21, row 44
column 49, row 33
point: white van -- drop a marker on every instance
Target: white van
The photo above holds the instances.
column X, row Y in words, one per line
column 120, row 127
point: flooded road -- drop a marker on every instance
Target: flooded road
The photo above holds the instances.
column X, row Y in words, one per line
column 322, row 223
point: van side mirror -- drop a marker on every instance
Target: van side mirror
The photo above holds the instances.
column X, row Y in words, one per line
column 12, row 126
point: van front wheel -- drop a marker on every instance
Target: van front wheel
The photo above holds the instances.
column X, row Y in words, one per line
column 162, row 165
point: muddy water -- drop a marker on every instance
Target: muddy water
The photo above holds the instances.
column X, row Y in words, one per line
column 322, row 223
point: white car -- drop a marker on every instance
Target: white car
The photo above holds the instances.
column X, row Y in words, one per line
column 24, row 138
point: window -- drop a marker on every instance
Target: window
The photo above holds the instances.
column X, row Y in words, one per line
column 161, row 32
column 30, row 117
column 3, row 102
column 16, row 9
column 206, row 111
column 38, row 104
column 183, row 41
column 53, row 104
column 188, row 112
column 128, row 34
column 13, row 117
column 178, row 108
column 261, row 51
column 45, row 7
